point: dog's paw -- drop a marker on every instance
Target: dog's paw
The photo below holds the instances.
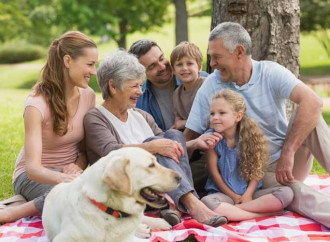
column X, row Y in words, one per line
column 159, row 223
column 143, row 231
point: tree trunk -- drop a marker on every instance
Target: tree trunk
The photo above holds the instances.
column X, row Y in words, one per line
column 181, row 21
column 272, row 25
column 121, row 42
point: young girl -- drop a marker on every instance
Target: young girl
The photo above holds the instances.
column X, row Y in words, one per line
column 236, row 164
column 53, row 120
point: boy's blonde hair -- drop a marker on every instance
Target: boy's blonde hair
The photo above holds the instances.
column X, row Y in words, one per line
column 188, row 49
column 252, row 144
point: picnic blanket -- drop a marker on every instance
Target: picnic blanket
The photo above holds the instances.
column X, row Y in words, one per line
column 287, row 227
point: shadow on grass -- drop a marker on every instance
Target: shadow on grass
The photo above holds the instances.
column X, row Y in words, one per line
column 315, row 70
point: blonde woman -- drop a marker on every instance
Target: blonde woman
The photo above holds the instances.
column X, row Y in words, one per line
column 236, row 164
column 53, row 119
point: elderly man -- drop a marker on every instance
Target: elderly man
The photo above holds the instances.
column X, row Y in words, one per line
column 266, row 86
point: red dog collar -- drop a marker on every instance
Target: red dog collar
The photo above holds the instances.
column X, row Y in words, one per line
column 108, row 210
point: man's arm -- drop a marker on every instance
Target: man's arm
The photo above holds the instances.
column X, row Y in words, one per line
column 190, row 134
column 205, row 142
column 308, row 114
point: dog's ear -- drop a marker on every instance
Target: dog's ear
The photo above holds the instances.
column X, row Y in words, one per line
column 117, row 177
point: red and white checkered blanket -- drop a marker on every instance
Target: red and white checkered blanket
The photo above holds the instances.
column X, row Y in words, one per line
column 287, row 227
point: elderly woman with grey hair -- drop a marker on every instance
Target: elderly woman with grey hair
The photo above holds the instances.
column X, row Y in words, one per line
column 117, row 123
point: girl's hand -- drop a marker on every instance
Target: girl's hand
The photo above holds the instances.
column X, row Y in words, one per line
column 246, row 198
column 72, row 169
column 67, row 177
column 237, row 199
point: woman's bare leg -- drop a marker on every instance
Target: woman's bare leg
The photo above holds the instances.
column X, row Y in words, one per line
column 13, row 213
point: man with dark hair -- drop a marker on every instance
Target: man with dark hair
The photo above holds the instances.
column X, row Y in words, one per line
column 157, row 97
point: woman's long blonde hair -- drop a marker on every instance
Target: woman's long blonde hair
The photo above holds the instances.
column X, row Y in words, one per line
column 51, row 84
column 252, row 145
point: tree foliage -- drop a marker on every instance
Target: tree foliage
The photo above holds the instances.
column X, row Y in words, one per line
column 315, row 15
column 33, row 20
column 114, row 18
column 12, row 20
column 39, row 21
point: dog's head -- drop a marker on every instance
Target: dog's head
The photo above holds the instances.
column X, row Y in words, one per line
column 135, row 173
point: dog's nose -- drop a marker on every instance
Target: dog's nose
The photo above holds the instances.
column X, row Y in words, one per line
column 177, row 177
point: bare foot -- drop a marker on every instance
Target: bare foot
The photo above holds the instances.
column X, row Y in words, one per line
column 196, row 208
column 13, row 213
column 4, row 216
column 200, row 212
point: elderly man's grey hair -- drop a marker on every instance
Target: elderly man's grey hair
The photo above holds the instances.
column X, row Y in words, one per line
column 119, row 66
column 232, row 34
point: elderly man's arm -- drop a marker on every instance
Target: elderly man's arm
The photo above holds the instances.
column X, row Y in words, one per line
column 308, row 114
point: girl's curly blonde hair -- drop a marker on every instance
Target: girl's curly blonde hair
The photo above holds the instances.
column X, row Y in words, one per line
column 252, row 145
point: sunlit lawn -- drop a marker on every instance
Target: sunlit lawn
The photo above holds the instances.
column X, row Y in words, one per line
column 313, row 58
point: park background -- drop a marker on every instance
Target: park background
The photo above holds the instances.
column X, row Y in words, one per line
column 26, row 31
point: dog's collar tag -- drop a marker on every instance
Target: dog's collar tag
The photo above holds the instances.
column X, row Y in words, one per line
column 108, row 210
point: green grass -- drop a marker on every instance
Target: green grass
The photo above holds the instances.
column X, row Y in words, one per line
column 11, row 135
column 317, row 169
column 313, row 58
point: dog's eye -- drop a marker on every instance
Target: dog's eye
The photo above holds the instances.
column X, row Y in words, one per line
column 151, row 165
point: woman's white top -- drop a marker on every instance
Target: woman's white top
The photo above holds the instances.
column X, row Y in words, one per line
column 134, row 131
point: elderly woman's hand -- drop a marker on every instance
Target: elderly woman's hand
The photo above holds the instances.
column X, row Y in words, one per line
column 168, row 148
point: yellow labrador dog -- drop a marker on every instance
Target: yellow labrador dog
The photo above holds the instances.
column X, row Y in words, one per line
column 106, row 203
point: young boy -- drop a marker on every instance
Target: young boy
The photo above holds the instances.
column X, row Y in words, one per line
column 187, row 63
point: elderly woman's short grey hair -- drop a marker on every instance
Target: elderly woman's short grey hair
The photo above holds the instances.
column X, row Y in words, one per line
column 119, row 66
column 232, row 34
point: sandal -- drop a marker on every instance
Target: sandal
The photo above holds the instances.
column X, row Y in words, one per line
column 216, row 221
column 11, row 201
column 173, row 217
